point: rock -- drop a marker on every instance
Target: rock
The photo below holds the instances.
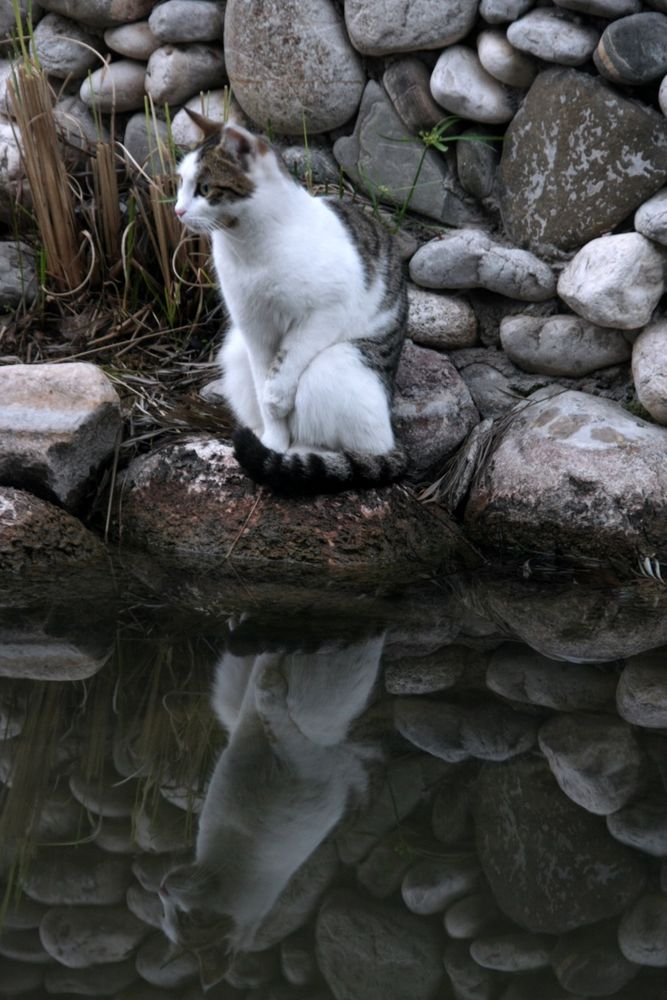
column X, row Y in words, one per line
column 147, row 141
column 95, row 981
column 78, row 129
column 90, row 935
column 662, row 96
column 146, row 906
column 11, row 170
column 434, row 672
column 23, row 946
column 651, row 218
column 443, row 322
column 158, row 967
column 58, row 423
column 503, row 61
column 162, row 828
column 363, row 156
column 615, row 281
column 176, row 73
column 513, row 951
column 383, row 869
column 456, row 732
column 101, row 13
column 591, row 467
column 588, row 961
column 602, row 8
column 115, row 836
column 521, row 674
column 432, row 409
column 641, row 695
column 501, row 11
column 642, row 933
column 451, row 817
column 189, row 502
column 290, row 63
column 468, row 917
column 599, row 181
column 82, row 876
column 554, row 36
column 469, row 258
column 105, row 794
column 215, row 104
column 549, row 877
column 633, row 50
column 561, row 345
column 116, row 87
column 460, row 84
column 36, row 535
column 25, row 10
column 469, row 980
column 642, row 824
column 23, row 914
column 150, row 869
column 64, row 48
column 297, row 961
column 648, row 370
column 314, row 164
column 477, row 161
column 134, row 41
column 400, row 26
column 18, row 277
column 407, row 82
column 430, row 885
column 596, row 760
column 187, row 21
column 406, row 951
column 18, row 978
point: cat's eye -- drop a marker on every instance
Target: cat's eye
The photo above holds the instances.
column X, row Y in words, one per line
column 204, row 189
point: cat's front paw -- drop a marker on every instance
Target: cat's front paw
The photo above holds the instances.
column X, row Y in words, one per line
column 276, row 437
column 278, row 400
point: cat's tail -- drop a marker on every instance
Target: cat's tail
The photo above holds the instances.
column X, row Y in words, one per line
column 298, row 473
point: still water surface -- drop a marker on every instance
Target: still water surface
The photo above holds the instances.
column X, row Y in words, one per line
column 460, row 792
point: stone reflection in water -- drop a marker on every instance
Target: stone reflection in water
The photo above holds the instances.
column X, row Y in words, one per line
column 400, row 814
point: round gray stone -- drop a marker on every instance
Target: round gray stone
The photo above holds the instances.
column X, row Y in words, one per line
column 633, row 50
column 553, row 35
column 588, row 961
column 407, row 82
column 512, row 951
column 641, row 695
column 642, row 824
column 651, row 217
column 90, row 935
column 477, row 160
column 118, row 86
column 106, row 794
column 648, row 370
column 101, row 13
column 430, row 885
column 64, row 48
column 403, row 26
column 502, row 11
column 187, row 21
column 642, row 933
column 561, row 345
column 503, row 61
column 468, row 979
column 466, row 918
column 522, row 674
column 96, row 981
column 177, row 72
column 82, row 876
column 443, row 322
column 602, row 8
column 134, row 41
column 460, row 84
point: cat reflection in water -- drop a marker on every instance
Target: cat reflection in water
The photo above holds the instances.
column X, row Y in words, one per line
column 287, row 777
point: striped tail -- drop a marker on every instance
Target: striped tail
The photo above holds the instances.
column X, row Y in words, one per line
column 294, row 473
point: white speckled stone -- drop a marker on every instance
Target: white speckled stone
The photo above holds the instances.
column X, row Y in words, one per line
column 443, row 322
column 502, row 11
column 213, row 105
column 187, row 21
column 615, row 281
column 404, row 26
column 649, row 371
column 118, row 86
column 134, row 41
column 561, row 345
column 651, row 218
column 176, row 73
column 503, row 61
column 460, row 84
column 554, row 36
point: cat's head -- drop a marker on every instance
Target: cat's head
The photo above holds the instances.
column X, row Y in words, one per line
column 218, row 179
column 192, row 923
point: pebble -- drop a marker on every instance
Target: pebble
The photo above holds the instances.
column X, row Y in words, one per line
column 82, row 876
column 648, row 370
column 115, row 836
column 561, row 345
column 501, row 11
column 503, row 61
column 397, row 26
column 95, row 981
column 90, row 935
column 23, row 946
column 430, row 885
column 469, row 980
column 118, row 86
column 150, row 869
column 642, row 825
column 432, row 409
column 134, row 41
column 162, row 828
column 64, row 48
column 79, row 128
column 467, row 917
column 290, row 62
column 477, row 161
column 641, row 695
column 522, row 674
column 662, row 96
column 18, row 277
column 216, row 105
column 176, row 73
column 642, row 933
column 615, row 281
column 469, row 258
column 651, row 217
column 512, row 951
column 460, row 84
column 106, row 794
column 596, row 760
column 407, row 82
column 102, row 13
column 588, row 962
column 297, row 961
column 146, row 906
column 554, row 36
column 383, row 869
column 187, row 21
column 146, row 139
column 633, row 50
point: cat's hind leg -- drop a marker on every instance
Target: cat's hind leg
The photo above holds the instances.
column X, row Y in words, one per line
column 237, row 383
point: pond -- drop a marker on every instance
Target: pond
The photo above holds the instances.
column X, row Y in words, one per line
column 457, row 791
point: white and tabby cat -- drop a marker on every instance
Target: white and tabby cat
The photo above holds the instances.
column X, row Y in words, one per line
column 317, row 300
column 282, row 785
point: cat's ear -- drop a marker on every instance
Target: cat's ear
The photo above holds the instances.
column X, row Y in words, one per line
column 242, row 147
column 207, row 126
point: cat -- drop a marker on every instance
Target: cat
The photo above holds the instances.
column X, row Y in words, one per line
column 318, row 303
column 284, row 782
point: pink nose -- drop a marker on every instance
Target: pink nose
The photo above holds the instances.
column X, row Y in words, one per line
column 179, row 212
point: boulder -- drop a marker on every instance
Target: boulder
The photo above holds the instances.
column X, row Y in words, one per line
column 58, row 424
column 561, row 345
column 189, row 502
column 578, row 473
column 79, row 936
column 64, row 48
column 588, row 961
column 378, row 29
column 633, row 50
column 519, row 673
column 577, row 159
column 290, row 63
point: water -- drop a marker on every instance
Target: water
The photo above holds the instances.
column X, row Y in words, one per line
column 337, row 794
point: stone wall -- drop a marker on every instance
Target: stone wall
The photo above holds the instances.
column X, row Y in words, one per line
column 536, row 256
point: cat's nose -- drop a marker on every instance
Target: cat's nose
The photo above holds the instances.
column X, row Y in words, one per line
column 179, row 212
